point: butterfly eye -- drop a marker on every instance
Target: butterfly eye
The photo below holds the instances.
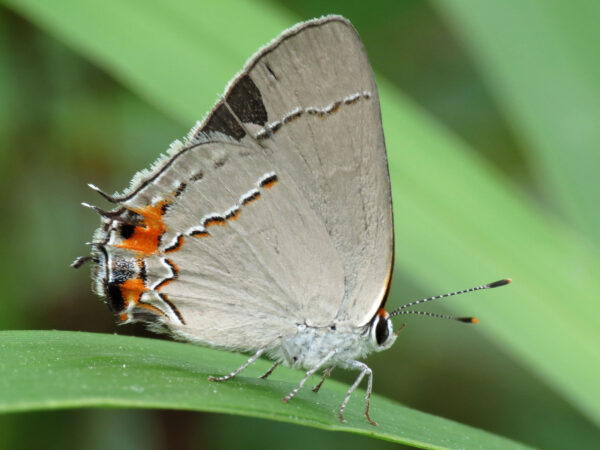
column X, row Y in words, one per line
column 382, row 330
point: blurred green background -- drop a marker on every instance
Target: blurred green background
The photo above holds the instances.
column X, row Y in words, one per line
column 513, row 88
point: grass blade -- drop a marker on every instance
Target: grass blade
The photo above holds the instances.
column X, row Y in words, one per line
column 540, row 60
column 54, row 369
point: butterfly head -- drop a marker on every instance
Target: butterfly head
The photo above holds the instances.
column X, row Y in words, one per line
column 382, row 331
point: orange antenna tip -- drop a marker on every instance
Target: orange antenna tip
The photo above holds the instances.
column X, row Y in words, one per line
column 468, row 319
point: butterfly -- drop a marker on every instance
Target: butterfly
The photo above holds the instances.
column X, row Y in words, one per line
column 269, row 229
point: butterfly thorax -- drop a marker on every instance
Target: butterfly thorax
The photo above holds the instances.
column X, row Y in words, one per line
column 311, row 344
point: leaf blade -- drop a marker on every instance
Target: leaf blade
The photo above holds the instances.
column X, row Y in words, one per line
column 60, row 369
column 539, row 59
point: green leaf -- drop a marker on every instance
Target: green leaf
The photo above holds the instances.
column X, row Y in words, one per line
column 56, row 369
column 458, row 220
column 541, row 61
column 178, row 55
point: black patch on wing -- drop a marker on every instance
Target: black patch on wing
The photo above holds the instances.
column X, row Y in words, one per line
column 126, row 230
column 222, row 120
column 116, row 302
column 245, row 100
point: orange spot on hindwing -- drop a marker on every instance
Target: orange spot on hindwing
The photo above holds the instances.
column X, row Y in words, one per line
column 132, row 289
column 121, row 296
column 145, row 237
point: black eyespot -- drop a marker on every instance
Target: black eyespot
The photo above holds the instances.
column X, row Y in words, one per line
column 382, row 331
column 295, row 358
column 126, row 230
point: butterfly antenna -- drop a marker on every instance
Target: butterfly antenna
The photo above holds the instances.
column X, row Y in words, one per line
column 401, row 310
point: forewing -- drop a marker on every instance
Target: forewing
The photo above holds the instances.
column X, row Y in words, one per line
column 324, row 128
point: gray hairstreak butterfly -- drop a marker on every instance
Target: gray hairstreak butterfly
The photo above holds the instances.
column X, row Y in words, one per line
column 269, row 229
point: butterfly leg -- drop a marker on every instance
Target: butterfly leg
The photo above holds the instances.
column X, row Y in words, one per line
column 239, row 369
column 326, row 374
column 364, row 370
column 80, row 261
column 270, row 371
column 320, row 364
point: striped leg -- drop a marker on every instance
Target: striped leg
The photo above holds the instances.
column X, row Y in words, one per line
column 270, row 371
column 364, row 370
column 326, row 374
column 320, row 364
column 239, row 369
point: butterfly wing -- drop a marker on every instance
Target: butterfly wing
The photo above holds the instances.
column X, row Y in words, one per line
column 276, row 211
column 324, row 126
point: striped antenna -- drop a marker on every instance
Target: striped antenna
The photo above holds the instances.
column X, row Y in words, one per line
column 441, row 316
column 401, row 310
